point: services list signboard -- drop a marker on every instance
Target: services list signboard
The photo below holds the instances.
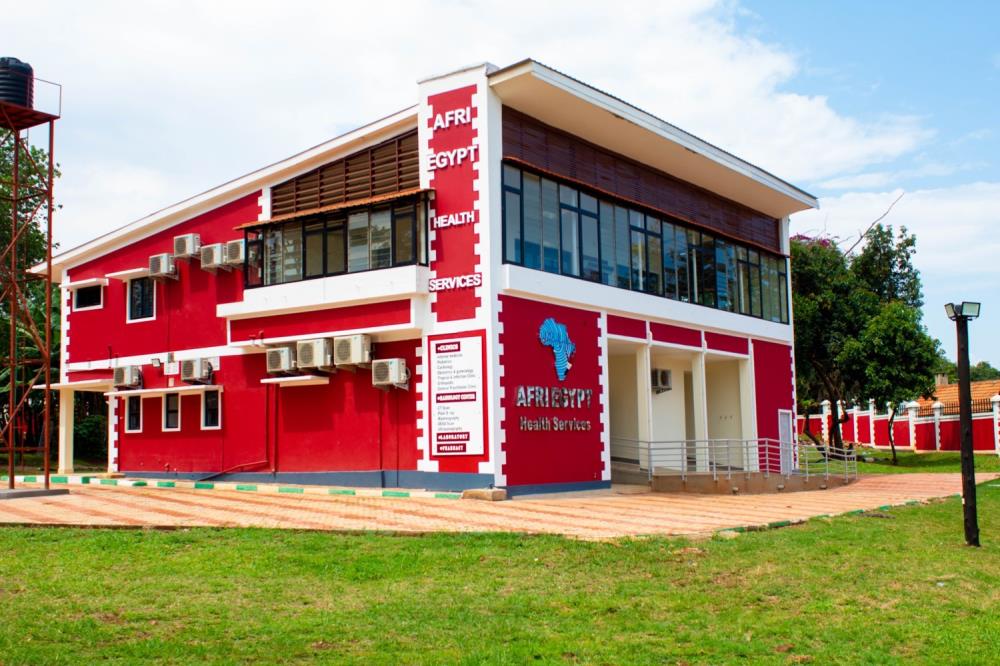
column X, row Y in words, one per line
column 456, row 395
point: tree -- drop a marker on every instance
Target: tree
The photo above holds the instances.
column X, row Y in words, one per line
column 885, row 266
column 893, row 358
column 981, row 371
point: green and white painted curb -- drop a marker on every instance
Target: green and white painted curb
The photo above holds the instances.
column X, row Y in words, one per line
column 261, row 489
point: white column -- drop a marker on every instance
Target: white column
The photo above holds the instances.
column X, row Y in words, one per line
column 825, row 425
column 938, row 411
column 643, row 400
column 700, row 395
column 112, row 435
column 871, row 422
column 996, row 423
column 66, row 416
column 912, row 409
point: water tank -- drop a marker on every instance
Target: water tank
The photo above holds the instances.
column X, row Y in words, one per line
column 17, row 82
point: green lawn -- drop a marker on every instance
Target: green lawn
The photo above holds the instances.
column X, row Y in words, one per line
column 908, row 461
column 887, row 587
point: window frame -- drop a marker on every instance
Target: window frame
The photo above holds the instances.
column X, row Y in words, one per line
column 128, row 300
column 100, row 305
column 163, row 412
column 128, row 413
column 218, row 409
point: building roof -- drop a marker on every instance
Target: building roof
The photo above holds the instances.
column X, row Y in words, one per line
column 948, row 393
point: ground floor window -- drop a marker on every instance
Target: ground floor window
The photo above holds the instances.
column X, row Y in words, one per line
column 133, row 414
column 210, row 411
column 141, row 295
column 172, row 411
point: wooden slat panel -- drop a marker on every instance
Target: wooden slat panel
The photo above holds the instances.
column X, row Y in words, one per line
column 534, row 143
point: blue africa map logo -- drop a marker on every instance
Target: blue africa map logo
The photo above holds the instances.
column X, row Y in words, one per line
column 554, row 335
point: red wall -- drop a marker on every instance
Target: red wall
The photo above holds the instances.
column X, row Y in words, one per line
column 535, row 457
column 925, row 439
column 772, row 364
column 369, row 315
column 185, row 307
column 864, row 429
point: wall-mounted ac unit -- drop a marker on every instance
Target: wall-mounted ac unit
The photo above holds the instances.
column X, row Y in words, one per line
column 662, row 380
column 314, row 354
column 234, row 252
column 390, row 372
column 127, row 376
column 280, row 359
column 196, row 370
column 187, row 245
column 352, row 350
column 213, row 257
column 162, row 266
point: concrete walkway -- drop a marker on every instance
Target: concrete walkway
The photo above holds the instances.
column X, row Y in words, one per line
column 602, row 515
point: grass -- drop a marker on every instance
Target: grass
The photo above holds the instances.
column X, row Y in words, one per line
column 32, row 463
column 885, row 587
column 908, row 461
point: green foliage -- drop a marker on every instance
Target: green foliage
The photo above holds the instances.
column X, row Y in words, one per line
column 90, row 437
column 979, row 372
column 885, row 266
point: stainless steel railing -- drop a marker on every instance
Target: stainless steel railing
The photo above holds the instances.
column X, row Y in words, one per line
column 727, row 457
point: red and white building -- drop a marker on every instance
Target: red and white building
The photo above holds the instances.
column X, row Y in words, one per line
column 546, row 275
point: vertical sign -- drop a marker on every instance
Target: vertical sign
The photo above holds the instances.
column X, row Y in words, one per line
column 456, row 395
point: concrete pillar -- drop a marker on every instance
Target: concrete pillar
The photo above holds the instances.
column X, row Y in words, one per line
column 700, row 394
column 938, row 412
column 66, row 424
column 747, row 421
column 996, row 423
column 644, row 402
column 871, row 422
column 112, row 435
column 825, row 425
column 912, row 409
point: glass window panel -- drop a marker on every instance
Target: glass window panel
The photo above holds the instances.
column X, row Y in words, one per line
column 550, row 226
column 512, row 226
column 669, row 262
column 254, row 269
column 140, row 301
column 568, row 196
column 765, row 288
column 134, row 412
column 783, row 293
column 402, row 245
column 694, row 265
column 622, row 247
column 652, row 225
column 381, row 238
column 211, row 407
column 87, row 297
column 421, row 233
column 725, row 270
column 590, row 267
column 588, row 203
column 336, row 259
column 638, row 260
column 570, row 242
column 741, row 253
column 272, row 256
column 683, row 263
column 314, row 249
column 636, row 219
column 532, row 221
column 707, row 277
column 511, row 176
column 357, row 242
column 607, row 229
column 171, row 411
column 755, row 289
column 775, row 290
column 744, row 287
column 291, row 264
column 654, row 265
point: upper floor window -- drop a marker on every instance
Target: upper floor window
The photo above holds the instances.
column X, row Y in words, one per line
column 558, row 228
column 360, row 240
column 141, row 299
column 88, row 298
column 172, row 411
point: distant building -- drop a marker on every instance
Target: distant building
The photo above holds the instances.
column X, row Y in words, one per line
column 518, row 281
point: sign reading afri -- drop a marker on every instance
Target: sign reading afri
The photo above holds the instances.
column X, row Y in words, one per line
column 457, row 396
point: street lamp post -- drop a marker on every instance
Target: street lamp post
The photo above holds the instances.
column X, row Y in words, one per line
column 961, row 313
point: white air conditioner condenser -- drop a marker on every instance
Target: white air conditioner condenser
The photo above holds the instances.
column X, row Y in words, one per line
column 162, row 266
column 196, row 370
column 213, row 257
column 352, row 350
column 390, row 372
column 280, row 359
column 234, row 252
column 127, row 376
column 313, row 354
column 187, row 245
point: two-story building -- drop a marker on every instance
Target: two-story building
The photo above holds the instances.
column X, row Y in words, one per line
column 520, row 281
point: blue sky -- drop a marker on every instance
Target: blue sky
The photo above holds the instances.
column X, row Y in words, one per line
column 857, row 102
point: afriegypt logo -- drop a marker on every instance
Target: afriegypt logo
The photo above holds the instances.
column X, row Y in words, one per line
column 553, row 334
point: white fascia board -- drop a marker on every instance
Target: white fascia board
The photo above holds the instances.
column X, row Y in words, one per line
column 128, row 274
column 84, row 385
column 574, row 292
column 186, row 388
column 653, row 124
column 80, row 284
column 216, row 196
column 297, row 380
column 329, row 292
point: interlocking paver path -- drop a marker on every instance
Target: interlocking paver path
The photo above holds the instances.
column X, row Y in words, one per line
column 610, row 514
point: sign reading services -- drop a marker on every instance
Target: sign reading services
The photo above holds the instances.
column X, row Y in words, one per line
column 457, row 396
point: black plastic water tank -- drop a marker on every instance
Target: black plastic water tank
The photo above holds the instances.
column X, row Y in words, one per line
column 17, row 82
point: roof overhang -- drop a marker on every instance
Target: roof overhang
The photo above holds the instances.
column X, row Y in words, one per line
column 573, row 106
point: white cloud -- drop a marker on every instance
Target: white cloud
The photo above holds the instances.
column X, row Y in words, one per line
column 191, row 94
column 883, row 179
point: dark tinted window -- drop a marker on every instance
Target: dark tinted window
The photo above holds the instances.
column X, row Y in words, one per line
column 140, row 298
column 88, row 297
column 210, row 417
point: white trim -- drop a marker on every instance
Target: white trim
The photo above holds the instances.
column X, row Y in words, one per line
column 128, row 300
column 163, row 411
column 82, row 385
column 128, row 399
column 218, row 408
column 89, row 282
column 76, row 291
column 154, row 392
column 147, row 359
column 297, row 380
column 128, row 274
column 406, row 332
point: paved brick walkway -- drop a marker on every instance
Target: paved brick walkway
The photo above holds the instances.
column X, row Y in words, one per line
column 610, row 514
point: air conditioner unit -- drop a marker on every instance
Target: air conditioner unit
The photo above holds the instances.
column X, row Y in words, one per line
column 390, row 372
column 127, row 376
column 187, row 245
column 280, row 359
column 234, row 252
column 213, row 257
column 313, row 354
column 196, row 370
column 162, row 266
column 662, row 380
column 352, row 350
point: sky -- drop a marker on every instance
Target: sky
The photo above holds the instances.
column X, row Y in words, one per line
column 855, row 102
